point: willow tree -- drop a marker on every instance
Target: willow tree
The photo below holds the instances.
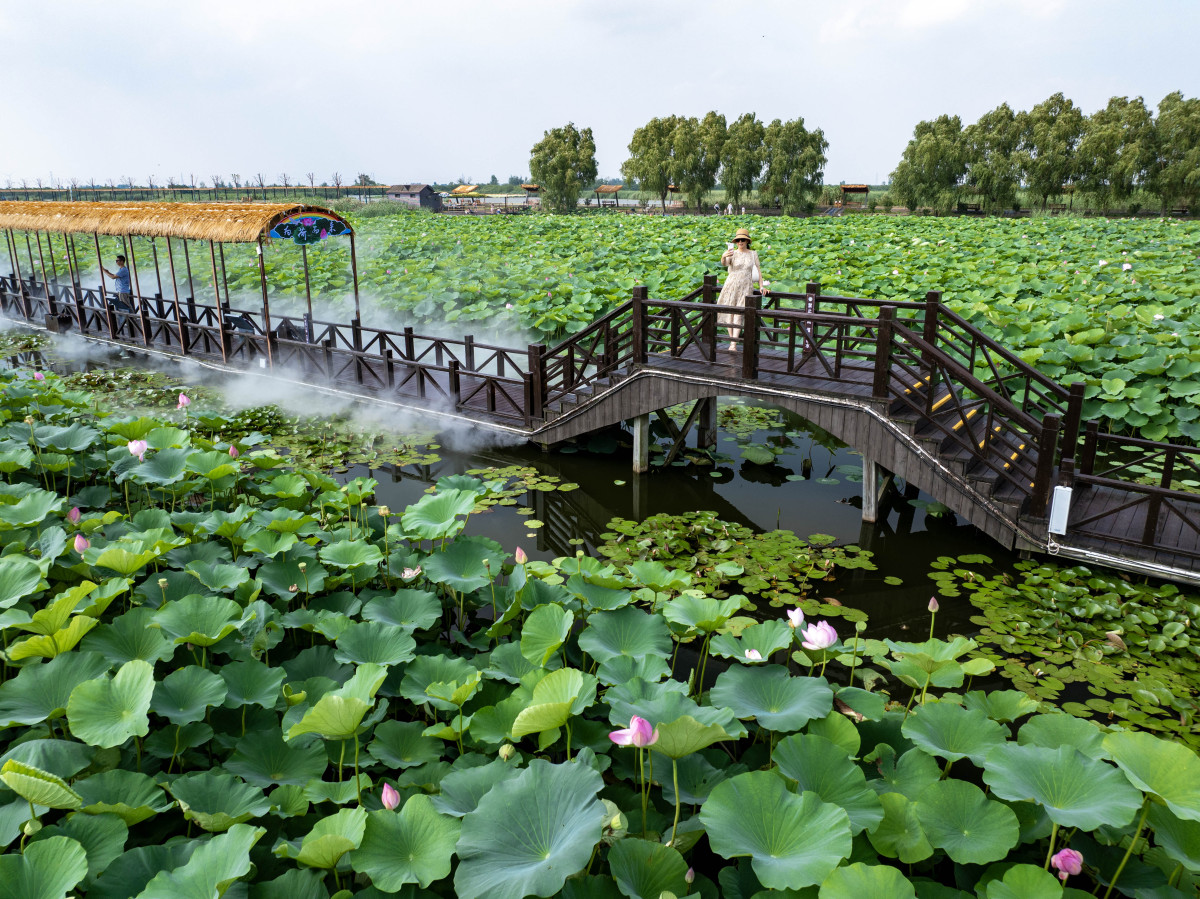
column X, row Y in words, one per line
column 795, row 164
column 563, row 163
column 933, row 165
column 1117, row 151
column 993, row 169
column 652, row 156
column 1050, row 135
column 742, row 157
column 1175, row 175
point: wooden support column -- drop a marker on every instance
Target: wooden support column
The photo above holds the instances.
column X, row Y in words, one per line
column 877, row 481
column 706, row 427
column 641, row 444
column 266, row 305
column 179, row 324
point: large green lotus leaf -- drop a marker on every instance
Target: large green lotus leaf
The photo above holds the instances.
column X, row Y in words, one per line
column 212, row 464
column 279, row 575
column 645, row 870
column 818, row 766
column 556, row 697
column 626, row 632
column 212, row 868
column 37, row 786
column 952, row 732
column 298, row 883
column 31, row 509
column 48, row 647
column 330, row 839
column 251, row 682
column 218, row 576
column 462, row 566
column 686, row 735
column 665, row 702
column 1004, row 706
column 370, row 641
column 339, row 792
column 65, row 758
column 1060, row 729
column 167, row 437
column 908, row 775
column 1074, row 790
column 74, row 438
column 529, row 834
column 337, row 715
column 130, row 796
column 128, row 874
column 103, row 838
column 1169, row 770
column 128, row 637
column 957, row 817
column 625, row 668
column 439, row 515
column 860, row 881
column 1179, row 838
column 186, row 693
column 216, row 802
column 700, row 613
column 48, row 869
column 413, row 610
column 597, row 597
column 1025, row 882
column 658, row 577
column 41, row 692
column 545, row 630
column 263, row 759
column 414, row 845
column 462, row 789
column 793, row 841
column 774, row 698
column 506, row 663
column 19, row 577
column 269, row 543
column 425, row 671
column 402, row 744
column 350, row 554
column 15, row 458
column 164, row 468
column 765, row 637
column 899, row 834
column 120, row 559
column 199, row 620
column 106, row 711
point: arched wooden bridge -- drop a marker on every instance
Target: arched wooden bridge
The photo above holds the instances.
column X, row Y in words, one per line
column 918, row 390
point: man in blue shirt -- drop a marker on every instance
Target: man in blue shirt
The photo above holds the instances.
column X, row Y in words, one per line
column 121, row 285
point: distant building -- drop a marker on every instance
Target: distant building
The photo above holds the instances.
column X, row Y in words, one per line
column 415, row 195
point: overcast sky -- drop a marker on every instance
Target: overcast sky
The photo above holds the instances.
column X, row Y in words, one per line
column 410, row 92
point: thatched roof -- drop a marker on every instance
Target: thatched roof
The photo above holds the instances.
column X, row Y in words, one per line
column 463, row 189
column 222, row 222
column 609, row 188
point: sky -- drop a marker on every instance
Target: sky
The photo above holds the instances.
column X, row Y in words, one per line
column 435, row 92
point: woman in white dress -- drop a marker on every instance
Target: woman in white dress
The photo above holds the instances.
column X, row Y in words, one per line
column 744, row 271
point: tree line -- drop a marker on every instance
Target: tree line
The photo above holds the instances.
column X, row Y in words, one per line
column 1052, row 150
column 784, row 160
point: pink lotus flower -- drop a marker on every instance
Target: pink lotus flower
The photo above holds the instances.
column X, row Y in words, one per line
column 184, row 402
column 520, row 556
column 508, row 305
column 409, row 573
column 819, row 636
column 795, row 618
column 639, row 734
column 754, row 655
column 74, row 515
column 38, row 376
column 1126, row 266
column 233, row 451
column 81, row 544
column 1067, row 862
column 389, row 797
column 137, row 448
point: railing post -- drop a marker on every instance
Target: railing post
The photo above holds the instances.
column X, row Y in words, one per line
column 708, row 291
column 144, row 320
column 1087, row 456
column 455, row 383
column 1047, row 444
column 327, row 345
column 933, row 302
column 469, row 352
column 1154, row 506
column 883, row 352
column 812, row 304
column 410, row 345
column 537, row 380
column 750, row 336
column 639, row 325
column 357, row 342
column 389, row 365
column 191, row 306
column 1070, row 431
column 527, row 381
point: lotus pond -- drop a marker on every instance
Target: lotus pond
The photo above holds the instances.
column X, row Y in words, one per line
column 228, row 673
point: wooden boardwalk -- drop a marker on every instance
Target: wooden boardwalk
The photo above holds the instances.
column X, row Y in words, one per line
column 919, row 391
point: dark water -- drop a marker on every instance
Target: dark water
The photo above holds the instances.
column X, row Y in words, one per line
column 827, row 501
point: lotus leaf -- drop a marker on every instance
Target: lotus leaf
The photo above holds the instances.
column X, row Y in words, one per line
column 337, row 715
column 186, row 693
column 413, row 610
column 19, row 577
column 556, row 698
column 400, row 744
column 777, row 700
column 216, row 802
column 646, row 870
column 47, row 869
column 953, row 732
column 265, row 760
column 545, row 631
column 793, row 841
column 462, row 790
column 251, row 682
column 103, row 838
column 370, row 641
column 106, row 711
column 860, row 881
column 130, row 796
column 330, row 839
column 38, row 787
column 899, row 835
column 1056, row 729
column 200, row 620
column 414, row 845
column 56, row 643
column 1025, row 882
column 816, row 765
column 65, row 758
column 212, row 867
column 700, row 613
column 625, row 632
column 765, row 638
column 956, row 816
column 439, row 515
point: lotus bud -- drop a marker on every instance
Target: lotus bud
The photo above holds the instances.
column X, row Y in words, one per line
column 933, row 604
column 74, row 515
column 30, row 827
column 81, row 544
column 507, row 751
column 389, row 797
column 38, row 376
column 690, row 875
column 184, row 402
column 520, row 556
column 233, row 451
column 1067, row 862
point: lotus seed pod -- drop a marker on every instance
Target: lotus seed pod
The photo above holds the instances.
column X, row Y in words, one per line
column 507, row 751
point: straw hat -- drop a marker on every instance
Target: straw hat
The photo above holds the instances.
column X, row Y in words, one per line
column 742, row 234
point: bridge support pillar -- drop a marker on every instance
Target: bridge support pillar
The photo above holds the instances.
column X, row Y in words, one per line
column 876, row 482
column 641, row 444
column 706, row 425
